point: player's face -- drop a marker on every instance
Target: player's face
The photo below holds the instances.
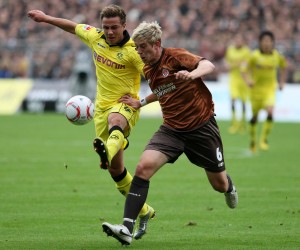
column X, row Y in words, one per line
column 266, row 44
column 113, row 29
column 149, row 53
column 239, row 41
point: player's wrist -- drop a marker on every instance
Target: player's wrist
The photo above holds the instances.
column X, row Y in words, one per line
column 143, row 102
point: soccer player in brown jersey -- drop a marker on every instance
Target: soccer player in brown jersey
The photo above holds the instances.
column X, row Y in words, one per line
column 189, row 127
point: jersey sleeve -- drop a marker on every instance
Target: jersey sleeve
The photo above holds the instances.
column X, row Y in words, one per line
column 138, row 63
column 186, row 59
column 87, row 33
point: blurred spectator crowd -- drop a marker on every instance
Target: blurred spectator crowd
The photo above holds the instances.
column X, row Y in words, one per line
column 205, row 27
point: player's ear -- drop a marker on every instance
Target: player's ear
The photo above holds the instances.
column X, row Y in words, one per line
column 158, row 43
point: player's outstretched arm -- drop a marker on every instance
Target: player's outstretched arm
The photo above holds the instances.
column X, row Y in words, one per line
column 41, row 17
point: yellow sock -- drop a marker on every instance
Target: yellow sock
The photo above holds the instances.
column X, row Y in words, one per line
column 114, row 142
column 124, row 185
column 267, row 126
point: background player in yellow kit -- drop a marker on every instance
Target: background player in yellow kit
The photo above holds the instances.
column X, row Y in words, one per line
column 118, row 71
column 237, row 55
column 261, row 77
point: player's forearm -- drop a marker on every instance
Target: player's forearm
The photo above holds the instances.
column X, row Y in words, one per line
column 65, row 24
column 282, row 79
column 148, row 99
column 205, row 67
column 40, row 17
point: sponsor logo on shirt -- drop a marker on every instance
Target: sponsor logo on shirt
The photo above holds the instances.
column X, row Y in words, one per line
column 87, row 27
column 164, row 89
column 108, row 62
column 101, row 45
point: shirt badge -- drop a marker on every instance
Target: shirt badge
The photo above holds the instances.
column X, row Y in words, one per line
column 165, row 72
column 119, row 55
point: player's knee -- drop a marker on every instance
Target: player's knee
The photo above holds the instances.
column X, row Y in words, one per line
column 117, row 120
column 140, row 169
column 143, row 170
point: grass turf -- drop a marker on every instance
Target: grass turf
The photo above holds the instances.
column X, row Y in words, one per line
column 54, row 196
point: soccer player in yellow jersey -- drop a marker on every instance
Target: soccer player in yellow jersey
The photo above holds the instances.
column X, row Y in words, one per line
column 261, row 76
column 237, row 55
column 118, row 71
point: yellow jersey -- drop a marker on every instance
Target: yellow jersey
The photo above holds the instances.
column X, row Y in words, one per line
column 263, row 68
column 235, row 58
column 118, row 67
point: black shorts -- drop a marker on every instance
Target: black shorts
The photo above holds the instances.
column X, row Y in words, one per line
column 202, row 146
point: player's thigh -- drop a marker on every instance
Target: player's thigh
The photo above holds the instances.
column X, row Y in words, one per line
column 130, row 114
column 257, row 102
column 204, row 147
column 166, row 142
column 269, row 100
column 233, row 90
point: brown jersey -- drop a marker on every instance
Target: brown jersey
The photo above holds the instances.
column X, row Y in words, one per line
column 185, row 104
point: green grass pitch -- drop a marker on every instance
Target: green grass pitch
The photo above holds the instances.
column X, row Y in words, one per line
column 54, row 196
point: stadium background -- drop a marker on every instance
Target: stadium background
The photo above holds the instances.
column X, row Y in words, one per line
column 53, row 194
column 41, row 66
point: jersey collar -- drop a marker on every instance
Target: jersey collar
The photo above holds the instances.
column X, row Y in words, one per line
column 120, row 44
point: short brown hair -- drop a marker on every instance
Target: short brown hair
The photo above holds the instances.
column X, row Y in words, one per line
column 113, row 10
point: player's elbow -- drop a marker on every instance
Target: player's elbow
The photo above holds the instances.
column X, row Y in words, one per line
column 211, row 67
column 207, row 65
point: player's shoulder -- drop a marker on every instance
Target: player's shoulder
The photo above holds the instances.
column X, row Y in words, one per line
column 277, row 53
column 129, row 49
column 256, row 53
column 176, row 52
column 129, row 45
column 246, row 48
column 86, row 29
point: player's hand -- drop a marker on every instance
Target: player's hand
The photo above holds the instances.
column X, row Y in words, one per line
column 37, row 15
column 127, row 99
column 184, row 75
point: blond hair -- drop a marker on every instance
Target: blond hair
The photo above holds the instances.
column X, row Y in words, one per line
column 148, row 31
